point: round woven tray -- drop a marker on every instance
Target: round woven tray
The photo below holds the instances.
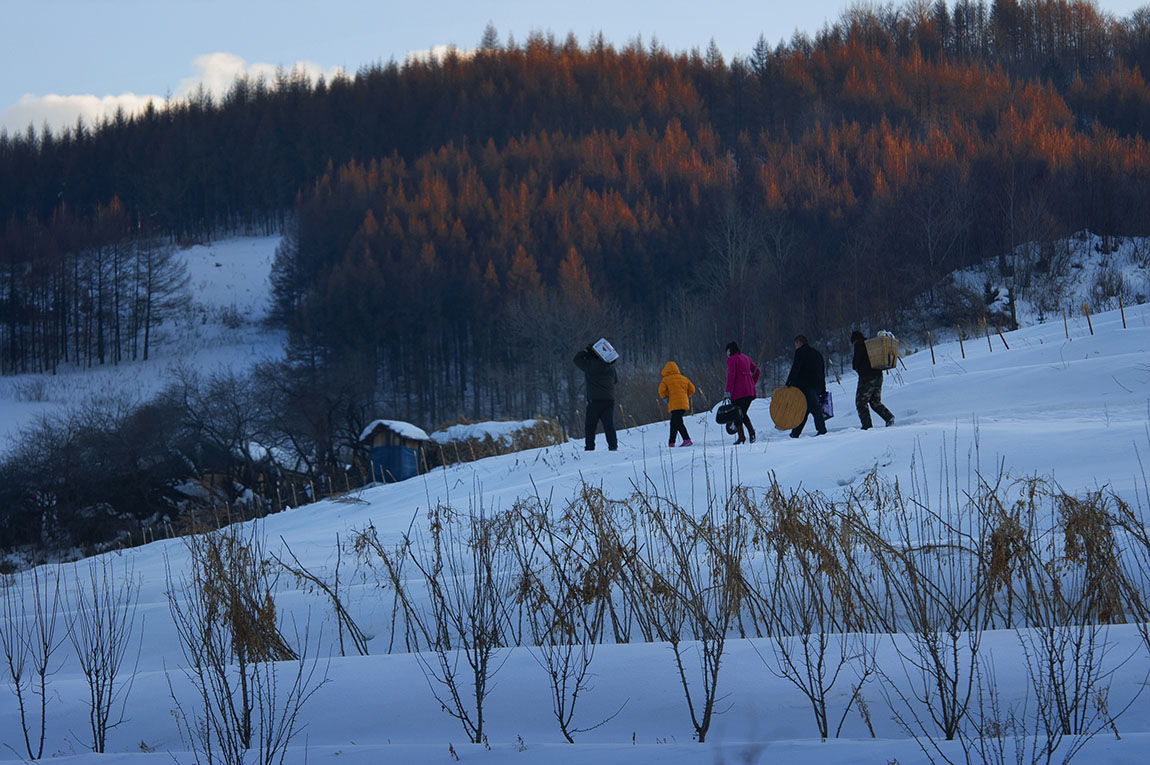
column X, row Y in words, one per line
column 788, row 407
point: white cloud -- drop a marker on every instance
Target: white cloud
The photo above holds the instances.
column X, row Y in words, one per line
column 437, row 53
column 216, row 73
column 219, row 70
column 62, row 111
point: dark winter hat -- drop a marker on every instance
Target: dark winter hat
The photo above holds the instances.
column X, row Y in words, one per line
column 856, row 336
column 732, row 347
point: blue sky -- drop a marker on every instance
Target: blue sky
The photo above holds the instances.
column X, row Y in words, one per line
column 60, row 58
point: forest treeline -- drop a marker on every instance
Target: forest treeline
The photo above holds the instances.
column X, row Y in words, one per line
column 202, row 165
column 90, row 293
column 455, row 228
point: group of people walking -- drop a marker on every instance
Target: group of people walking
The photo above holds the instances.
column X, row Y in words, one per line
column 808, row 374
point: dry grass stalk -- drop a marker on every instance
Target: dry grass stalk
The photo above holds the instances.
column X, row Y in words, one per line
column 1088, row 532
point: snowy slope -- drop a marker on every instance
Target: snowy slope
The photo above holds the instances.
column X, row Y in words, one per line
column 1074, row 410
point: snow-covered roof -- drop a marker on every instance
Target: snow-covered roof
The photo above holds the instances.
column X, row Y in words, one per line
column 498, row 431
column 400, row 428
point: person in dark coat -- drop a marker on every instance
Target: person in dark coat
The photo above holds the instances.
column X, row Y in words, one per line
column 808, row 374
column 742, row 375
column 601, row 378
column 869, row 391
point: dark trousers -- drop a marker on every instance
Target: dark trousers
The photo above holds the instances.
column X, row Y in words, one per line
column 600, row 410
column 814, row 409
column 677, row 426
column 869, row 394
column 744, row 404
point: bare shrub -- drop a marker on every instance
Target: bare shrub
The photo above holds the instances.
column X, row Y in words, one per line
column 1003, row 732
column 372, row 552
column 233, row 647
column 1088, row 542
column 564, row 618
column 38, row 388
column 102, row 626
column 1074, row 591
column 1064, row 586
column 467, row 579
column 942, row 591
column 693, row 568
column 30, row 636
column 954, row 305
column 1109, row 286
column 604, row 545
column 802, row 598
column 330, row 589
column 1008, row 542
column 1134, row 525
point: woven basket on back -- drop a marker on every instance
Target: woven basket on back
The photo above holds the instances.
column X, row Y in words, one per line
column 882, row 352
column 788, row 407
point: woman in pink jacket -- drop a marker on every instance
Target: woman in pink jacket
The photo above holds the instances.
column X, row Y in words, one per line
column 742, row 374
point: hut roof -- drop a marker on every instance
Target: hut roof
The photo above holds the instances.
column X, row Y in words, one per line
column 403, row 429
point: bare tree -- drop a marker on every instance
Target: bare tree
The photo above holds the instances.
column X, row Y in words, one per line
column 1136, row 562
column 938, row 207
column 737, row 246
column 161, row 287
column 547, row 330
column 226, row 411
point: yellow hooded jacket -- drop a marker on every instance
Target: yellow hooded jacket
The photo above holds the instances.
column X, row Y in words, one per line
column 676, row 388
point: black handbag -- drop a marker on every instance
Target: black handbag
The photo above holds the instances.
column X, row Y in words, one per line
column 728, row 412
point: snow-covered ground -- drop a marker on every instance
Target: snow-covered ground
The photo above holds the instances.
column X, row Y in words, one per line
column 1072, row 409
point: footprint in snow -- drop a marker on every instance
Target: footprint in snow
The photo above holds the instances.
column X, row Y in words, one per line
column 884, row 460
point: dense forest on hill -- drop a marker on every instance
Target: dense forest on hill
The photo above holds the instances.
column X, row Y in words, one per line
column 457, row 227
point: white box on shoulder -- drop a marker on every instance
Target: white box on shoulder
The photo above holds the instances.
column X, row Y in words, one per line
column 605, row 350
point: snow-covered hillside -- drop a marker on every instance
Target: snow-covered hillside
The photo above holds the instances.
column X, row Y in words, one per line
column 1082, row 269
column 1073, row 410
column 222, row 330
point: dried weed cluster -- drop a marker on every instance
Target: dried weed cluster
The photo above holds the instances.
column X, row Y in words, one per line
column 819, row 584
column 543, row 431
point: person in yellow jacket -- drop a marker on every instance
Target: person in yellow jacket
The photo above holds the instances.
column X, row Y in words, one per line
column 678, row 390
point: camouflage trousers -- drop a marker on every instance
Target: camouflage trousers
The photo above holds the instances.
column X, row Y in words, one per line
column 869, row 396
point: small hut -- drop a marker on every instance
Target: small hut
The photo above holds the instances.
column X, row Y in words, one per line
column 395, row 449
